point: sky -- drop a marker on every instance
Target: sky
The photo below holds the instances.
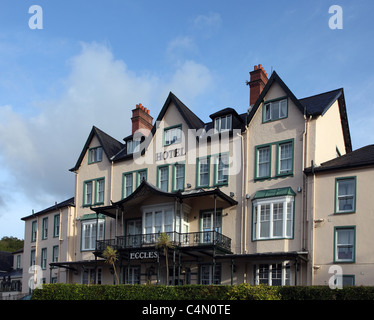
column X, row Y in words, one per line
column 90, row 62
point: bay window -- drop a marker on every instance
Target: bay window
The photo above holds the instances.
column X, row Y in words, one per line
column 273, row 218
column 88, row 239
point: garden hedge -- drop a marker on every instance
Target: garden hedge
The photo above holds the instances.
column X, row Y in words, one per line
column 62, row 291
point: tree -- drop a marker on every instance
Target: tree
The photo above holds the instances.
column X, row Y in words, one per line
column 164, row 243
column 111, row 257
column 10, row 244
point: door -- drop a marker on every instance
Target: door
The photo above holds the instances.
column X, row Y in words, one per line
column 208, row 225
column 134, row 233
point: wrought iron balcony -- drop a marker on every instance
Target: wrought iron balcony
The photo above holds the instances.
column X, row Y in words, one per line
column 191, row 239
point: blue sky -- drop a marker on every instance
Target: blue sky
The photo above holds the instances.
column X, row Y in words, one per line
column 94, row 60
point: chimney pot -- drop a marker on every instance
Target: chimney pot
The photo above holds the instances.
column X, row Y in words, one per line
column 258, row 80
column 141, row 120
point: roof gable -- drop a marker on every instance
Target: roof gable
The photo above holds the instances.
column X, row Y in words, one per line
column 191, row 119
column 310, row 106
column 110, row 145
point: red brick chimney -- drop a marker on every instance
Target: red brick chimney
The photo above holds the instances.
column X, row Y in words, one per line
column 141, row 119
column 259, row 78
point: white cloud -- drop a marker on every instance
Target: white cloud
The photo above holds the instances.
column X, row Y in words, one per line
column 211, row 21
column 100, row 90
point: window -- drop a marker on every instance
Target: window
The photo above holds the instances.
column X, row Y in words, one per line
column 203, row 165
column 222, row 169
column 88, row 276
column 18, row 263
column 275, row 110
column 32, row 258
column 100, row 186
column 56, row 225
column 345, row 193
column 88, row 240
column 206, row 274
column 87, row 193
column 44, row 259
column 133, row 146
column 45, row 228
column 344, row 244
column 127, row 182
column 178, row 177
column 275, row 274
column 273, row 218
column 172, row 135
column 158, row 220
column 210, row 223
column 33, row 231
column 163, row 178
column 263, row 160
column 223, row 123
column 140, row 176
column 132, row 275
column 285, row 158
column 55, row 254
column 95, row 155
column 133, row 234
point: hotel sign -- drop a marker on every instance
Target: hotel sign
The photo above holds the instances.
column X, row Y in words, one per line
column 164, row 155
column 139, row 255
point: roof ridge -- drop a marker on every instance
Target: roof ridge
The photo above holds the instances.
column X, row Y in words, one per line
column 319, row 94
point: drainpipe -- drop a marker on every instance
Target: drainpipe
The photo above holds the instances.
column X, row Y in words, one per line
column 243, row 227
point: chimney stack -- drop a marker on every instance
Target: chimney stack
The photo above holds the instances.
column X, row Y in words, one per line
column 141, row 120
column 257, row 82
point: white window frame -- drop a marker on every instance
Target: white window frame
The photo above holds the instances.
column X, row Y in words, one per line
column 223, row 123
column 89, row 226
column 287, row 217
column 266, row 276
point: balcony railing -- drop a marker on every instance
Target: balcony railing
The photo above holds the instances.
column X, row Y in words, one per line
column 190, row 239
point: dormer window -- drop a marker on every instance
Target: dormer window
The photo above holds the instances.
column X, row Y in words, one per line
column 172, row 135
column 133, row 146
column 95, row 155
column 275, row 110
column 223, row 123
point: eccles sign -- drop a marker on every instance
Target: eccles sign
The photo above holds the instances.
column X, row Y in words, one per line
column 139, row 255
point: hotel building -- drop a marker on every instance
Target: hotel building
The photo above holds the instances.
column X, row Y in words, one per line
column 273, row 194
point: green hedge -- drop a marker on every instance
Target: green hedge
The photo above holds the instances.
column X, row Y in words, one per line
column 198, row 292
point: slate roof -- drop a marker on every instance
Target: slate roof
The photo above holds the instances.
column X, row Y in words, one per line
column 320, row 103
column 358, row 158
column 110, row 145
column 66, row 203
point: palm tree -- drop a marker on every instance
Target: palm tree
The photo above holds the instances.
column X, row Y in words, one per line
column 164, row 243
column 111, row 257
